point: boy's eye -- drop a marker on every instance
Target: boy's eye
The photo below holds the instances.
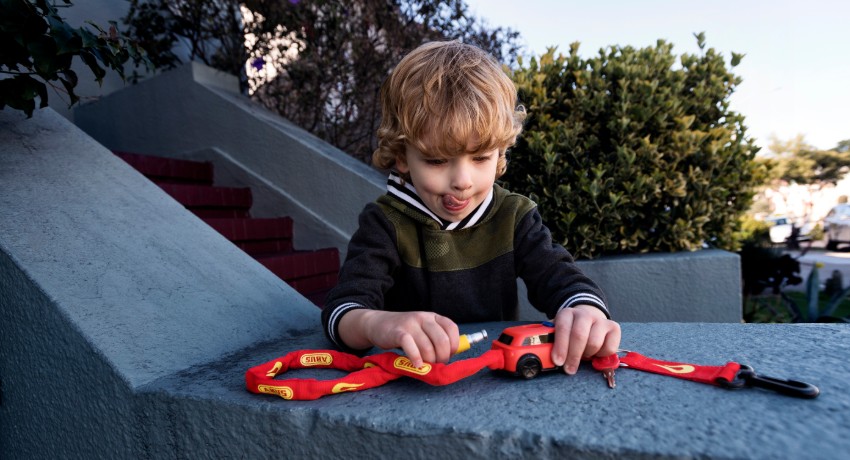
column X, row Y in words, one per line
column 435, row 161
column 482, row 159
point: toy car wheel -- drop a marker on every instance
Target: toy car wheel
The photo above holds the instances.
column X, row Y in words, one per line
column 528, row 366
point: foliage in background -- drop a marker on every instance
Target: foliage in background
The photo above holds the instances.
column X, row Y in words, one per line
column 813, row 305
column 797, row 162
column 211, row 30
column 343, row 51
column 37, row 48
column 768, row 273
column 766, row 268
column 626, row 152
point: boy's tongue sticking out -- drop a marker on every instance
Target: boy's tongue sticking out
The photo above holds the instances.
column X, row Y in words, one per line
column 453, row 204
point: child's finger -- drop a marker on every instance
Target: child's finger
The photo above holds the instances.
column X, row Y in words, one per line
column 578, row 336
column 596, row 340
column 563, row 325
column 452, row 332
column 439, row 340
column 411, row 350
column 612, row 340
column 425, row 347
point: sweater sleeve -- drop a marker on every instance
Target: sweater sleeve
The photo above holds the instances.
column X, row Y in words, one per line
column 549, row 271
column 366, row 274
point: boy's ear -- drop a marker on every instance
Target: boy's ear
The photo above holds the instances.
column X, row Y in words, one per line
column 401, row 164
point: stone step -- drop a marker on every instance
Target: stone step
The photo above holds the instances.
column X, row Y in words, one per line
column 302, row 265
column 256, row 235
column 227, row 210
column 211, row 201
column 170, row 170
column 315, row 285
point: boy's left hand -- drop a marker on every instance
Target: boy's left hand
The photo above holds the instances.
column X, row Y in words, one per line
column 583, row 331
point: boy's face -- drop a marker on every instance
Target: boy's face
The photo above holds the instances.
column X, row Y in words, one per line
column 451, row 187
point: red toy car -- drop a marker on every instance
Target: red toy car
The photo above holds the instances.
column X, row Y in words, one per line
column 527, row 348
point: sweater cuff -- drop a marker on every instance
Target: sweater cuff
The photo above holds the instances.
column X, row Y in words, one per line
column 585, row 298
column 333, row 322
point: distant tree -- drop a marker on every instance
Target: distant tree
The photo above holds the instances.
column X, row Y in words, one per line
column 796, row 161
column 211, row 30
column 322, row 61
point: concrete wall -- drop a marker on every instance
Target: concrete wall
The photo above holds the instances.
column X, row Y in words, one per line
column 196, row 112
column 702, row 286
column 108, row 284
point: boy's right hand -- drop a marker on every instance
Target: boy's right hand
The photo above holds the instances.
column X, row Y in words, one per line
column 424, row 336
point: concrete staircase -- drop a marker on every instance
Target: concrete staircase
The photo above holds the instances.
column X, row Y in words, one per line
column 227, row 210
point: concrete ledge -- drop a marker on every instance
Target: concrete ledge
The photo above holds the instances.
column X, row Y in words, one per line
column 207, row 409
column 701, row 286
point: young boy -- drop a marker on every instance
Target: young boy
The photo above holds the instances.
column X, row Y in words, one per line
column 446, row 244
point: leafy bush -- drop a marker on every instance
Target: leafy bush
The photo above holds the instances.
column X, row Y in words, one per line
column 753, row 232
column 37, row 47
column 625, row 152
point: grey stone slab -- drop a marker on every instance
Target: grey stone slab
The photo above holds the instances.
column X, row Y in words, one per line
column 553, row 416
column 701, row 287
column 150, row 287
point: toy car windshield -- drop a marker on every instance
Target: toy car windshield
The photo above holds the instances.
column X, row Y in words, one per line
column 507, row 339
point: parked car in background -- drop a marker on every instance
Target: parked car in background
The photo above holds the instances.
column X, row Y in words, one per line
column 837, row 226
column 781, row 228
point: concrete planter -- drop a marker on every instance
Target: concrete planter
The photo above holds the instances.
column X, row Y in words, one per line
column 701, row 286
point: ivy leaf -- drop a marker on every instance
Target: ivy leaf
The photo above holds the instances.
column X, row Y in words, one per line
column 43, row 52
column 736, row 59
column 20, row 93
column 37, row 42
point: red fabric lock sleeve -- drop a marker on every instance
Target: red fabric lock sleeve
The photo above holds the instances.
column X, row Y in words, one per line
column 368, row 372
column 693, row 372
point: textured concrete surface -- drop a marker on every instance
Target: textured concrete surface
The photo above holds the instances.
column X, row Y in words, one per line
column 553, row 416
column 702, row 286
column 107, row 284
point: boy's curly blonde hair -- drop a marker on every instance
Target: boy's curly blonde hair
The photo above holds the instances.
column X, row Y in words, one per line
column 441, row 97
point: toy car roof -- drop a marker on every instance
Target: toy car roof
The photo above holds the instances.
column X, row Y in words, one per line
column 530, row 329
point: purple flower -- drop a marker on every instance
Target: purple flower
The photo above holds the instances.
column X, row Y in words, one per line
column 294, row 2
column 258, row 63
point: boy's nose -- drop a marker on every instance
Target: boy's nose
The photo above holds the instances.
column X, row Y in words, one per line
column 461, row 179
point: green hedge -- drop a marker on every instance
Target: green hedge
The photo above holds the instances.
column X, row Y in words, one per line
column 630, row 152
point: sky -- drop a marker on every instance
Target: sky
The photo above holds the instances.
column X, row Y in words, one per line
column 796, row 69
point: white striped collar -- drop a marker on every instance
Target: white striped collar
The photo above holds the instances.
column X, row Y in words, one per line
column 405, row 191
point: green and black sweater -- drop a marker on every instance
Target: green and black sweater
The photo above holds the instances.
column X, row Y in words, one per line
column 404, row 258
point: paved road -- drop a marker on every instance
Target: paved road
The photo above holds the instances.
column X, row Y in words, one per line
column 831, row 260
